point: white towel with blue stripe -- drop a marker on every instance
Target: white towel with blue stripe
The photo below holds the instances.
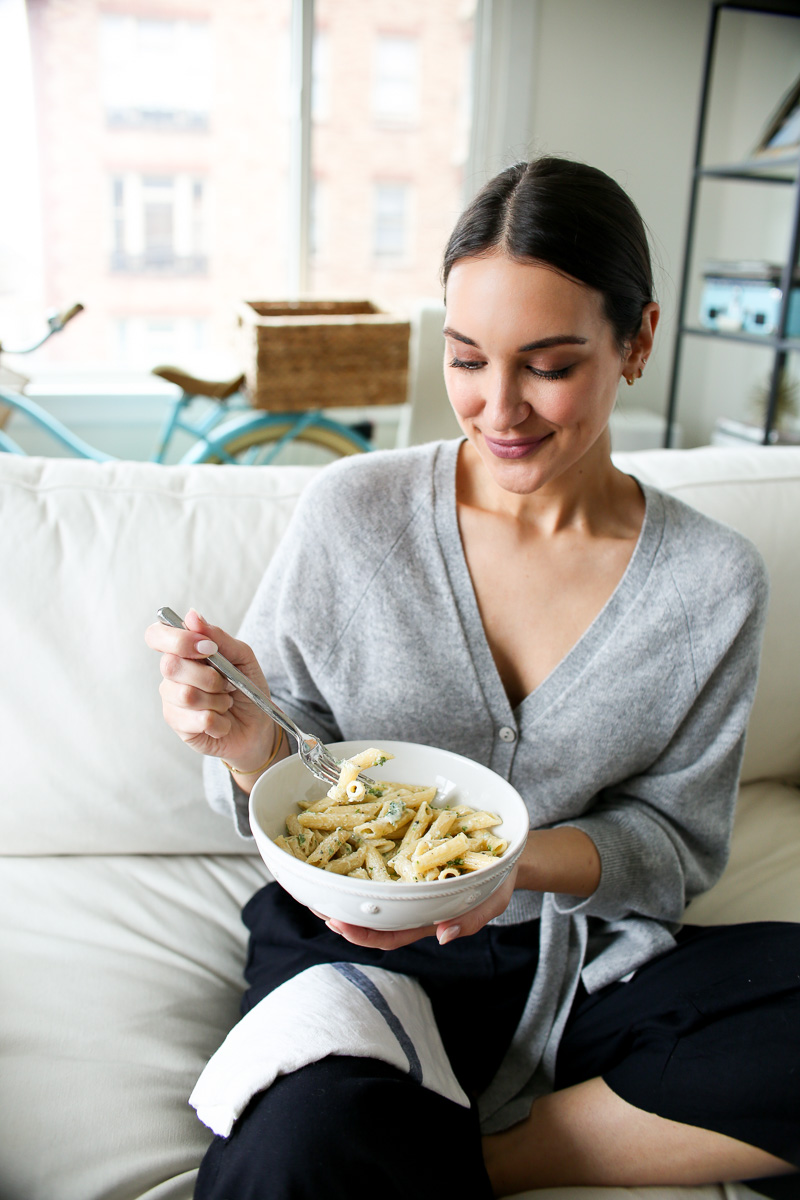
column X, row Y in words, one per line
column 334, row 1008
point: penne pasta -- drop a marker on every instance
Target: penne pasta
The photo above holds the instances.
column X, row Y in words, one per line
column 376, row 866
column 389, row 831
column 348, row 862
column 441, row 853
column 327, row 848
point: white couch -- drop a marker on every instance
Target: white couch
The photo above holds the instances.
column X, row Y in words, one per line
column 121, row 948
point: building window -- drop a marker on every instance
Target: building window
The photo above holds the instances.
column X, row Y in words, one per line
column 156, row 74
column 158, row 224
column 142, row 342
column 391, row 222
column 320, row 77
column 316, row 217
column 396, row 80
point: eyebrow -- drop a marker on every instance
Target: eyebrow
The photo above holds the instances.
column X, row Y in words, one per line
column 558, row 339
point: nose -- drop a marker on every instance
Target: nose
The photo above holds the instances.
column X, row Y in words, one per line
column 504, row 404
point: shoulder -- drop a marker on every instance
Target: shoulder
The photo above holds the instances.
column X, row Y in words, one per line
column 704, row 551
column 719, row 574
column 376, row 493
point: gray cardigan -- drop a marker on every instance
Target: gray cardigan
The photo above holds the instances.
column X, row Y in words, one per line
column 366, row 625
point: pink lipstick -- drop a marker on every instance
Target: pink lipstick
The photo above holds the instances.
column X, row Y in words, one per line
column 514, row 448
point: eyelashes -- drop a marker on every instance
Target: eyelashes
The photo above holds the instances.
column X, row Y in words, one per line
column 466, row 364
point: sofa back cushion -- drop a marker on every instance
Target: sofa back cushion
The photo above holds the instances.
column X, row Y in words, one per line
column 757, row 491
column 90, row 551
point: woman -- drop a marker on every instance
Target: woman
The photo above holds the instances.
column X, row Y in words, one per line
column 515, row 598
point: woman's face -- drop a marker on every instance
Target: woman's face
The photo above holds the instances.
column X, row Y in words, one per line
column 531, row 367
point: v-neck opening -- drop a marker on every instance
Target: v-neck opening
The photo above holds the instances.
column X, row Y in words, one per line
column 574, row 662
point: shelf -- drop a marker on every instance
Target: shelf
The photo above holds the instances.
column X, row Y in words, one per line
column 781, row 166
column 766, row 341
column 755, row 171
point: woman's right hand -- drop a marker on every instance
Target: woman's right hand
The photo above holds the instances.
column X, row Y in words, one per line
column 206, row 711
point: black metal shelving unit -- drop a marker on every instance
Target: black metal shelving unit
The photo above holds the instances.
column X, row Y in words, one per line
column 784, row 171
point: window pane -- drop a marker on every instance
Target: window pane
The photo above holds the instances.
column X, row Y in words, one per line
column 389, row 155
column 395, row 95
column 164, row 152
column 152, row 156
column 390, row 222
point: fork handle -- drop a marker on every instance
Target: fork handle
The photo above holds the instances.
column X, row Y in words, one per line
column 240, row 680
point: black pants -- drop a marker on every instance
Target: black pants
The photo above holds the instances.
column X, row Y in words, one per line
column 708, row 1034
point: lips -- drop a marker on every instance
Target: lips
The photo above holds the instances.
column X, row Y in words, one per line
column 514, row 447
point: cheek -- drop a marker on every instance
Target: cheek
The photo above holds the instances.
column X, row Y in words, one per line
column 463, row 392
column 584, row 403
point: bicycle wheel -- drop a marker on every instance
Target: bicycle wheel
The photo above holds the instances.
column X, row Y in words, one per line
column 279, row 443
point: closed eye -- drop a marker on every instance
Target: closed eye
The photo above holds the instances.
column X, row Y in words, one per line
column 560, row 374
column 467, row 364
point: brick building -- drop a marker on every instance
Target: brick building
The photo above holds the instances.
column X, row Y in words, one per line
column 163, row 130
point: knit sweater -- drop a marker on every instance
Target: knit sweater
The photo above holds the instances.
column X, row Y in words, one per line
column 367, row 626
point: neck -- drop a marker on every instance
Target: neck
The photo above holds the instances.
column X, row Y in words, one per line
column 591, row 495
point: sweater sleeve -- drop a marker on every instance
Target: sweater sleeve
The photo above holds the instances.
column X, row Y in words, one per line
column 283, row 601
column 664, row 835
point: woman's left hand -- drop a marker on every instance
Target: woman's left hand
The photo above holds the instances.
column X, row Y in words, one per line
column 447, row 931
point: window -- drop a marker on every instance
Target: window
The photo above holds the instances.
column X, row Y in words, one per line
column 395, row 94
column 161, row 199
column 155, row 73
column 316, row 218
column 390, row 223
column 320, row 77
column 144, row 342
column 158, row 224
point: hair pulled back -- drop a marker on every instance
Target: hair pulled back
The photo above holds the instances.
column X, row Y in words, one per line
column 568, row 216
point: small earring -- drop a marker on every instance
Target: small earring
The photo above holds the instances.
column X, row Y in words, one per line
column 629, row 380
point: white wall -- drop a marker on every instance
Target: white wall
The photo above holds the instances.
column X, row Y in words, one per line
column 617, row 83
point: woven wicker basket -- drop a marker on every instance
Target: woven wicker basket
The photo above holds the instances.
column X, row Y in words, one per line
column 308, row 354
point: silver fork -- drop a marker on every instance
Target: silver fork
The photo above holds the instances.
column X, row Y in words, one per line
column 314, row 754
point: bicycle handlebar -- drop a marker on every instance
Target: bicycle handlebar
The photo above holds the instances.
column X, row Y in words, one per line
column 59, row 320
column 55, row 323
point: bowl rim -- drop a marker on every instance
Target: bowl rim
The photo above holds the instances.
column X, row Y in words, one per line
column 386, row 889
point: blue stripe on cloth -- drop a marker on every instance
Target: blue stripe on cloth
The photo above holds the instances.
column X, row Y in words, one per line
column 365, row 985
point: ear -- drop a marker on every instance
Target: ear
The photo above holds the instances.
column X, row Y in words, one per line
column 642, row 345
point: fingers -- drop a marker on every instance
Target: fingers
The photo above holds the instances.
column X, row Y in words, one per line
column 196, row 641
column 379, row 939
column 473, row 920
column 193, row 723
column 446, row 931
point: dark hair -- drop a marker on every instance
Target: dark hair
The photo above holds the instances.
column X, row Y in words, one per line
column 571, row 217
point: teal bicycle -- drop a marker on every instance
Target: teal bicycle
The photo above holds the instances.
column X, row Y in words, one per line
column 217, row 417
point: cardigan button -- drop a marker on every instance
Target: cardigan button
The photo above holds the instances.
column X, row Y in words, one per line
column 507, row 734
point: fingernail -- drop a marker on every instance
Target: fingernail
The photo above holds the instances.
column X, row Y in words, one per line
column 448, row 934
column 204, row 646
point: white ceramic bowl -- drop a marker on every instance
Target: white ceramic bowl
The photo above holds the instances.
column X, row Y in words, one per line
column 388, row 905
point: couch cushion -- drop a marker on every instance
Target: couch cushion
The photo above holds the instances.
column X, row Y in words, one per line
column 120, row 978
column 757, row 491
column 762, row 879
column 90, row 551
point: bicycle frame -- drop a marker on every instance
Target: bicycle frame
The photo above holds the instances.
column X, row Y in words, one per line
column 211, row 432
